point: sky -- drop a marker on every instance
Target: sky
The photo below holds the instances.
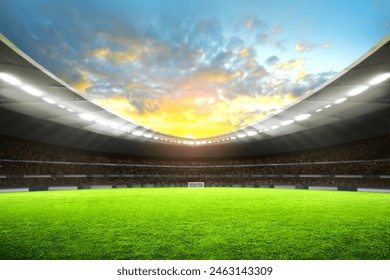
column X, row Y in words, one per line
column 195, row 69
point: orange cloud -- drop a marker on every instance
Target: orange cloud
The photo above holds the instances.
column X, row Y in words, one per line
column 116, row 56
column 293, row 63
column 201, row 79
column 185, row 115
column 245, row 52
column 82, row 85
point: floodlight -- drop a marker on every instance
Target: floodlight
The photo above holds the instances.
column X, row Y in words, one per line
column 241, row 135
column 251, row 133
column 137, row 133
column 87, row 117
column 10, row 79
column 379, row 79
column 357, row 90
column 341, row 100
column 31, row 90
column 287, row 122
column 302, row 117
column 148, row 135
column 48, row 100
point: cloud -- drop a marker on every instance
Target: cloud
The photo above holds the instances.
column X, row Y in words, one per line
column 254, row 23
column 115, row 56
column 83, row 83
column 292, row 63
column 272, row 60
column 310, row 82
column 265, row 38
column 201, row 74
column 244, row 52
column 304, row 46
column 209, row 117
column 307, row 46
column 276, row 29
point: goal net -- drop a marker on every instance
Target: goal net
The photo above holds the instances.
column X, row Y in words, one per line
column 196, row 184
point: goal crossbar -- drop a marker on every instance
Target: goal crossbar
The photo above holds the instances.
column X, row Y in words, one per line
column 196, row 184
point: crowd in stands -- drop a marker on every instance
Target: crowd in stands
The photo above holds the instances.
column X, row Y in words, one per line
column 366, row 158
column 174, row 181
column 374, row 148
column 377, row 167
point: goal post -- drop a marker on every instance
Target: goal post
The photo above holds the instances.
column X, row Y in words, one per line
column 196, row 185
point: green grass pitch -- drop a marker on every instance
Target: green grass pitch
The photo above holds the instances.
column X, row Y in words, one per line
column 182, row 223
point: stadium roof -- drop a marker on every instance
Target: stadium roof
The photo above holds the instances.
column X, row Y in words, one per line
column 354, row 105
column 194, row 69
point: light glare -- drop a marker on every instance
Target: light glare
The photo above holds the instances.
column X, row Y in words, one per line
column 31, row 90
column 341, row 100
column 87, row 117
column 10, row 79
column 251, row 133
column 288, row 122
column 379, row 79
column 48, row 100
column 302, row 117
column 357, row 90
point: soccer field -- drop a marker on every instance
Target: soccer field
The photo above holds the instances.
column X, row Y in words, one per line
column 182, row 223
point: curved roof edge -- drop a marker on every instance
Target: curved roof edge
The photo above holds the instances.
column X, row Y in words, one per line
column 336, row 115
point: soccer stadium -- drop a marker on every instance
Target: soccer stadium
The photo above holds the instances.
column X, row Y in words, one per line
column 180, row 130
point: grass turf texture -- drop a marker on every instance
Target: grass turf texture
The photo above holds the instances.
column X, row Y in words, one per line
column 182, row 223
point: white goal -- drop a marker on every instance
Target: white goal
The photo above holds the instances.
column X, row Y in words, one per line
column 196, row 184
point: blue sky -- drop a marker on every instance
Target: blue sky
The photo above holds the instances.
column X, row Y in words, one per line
column 198, row 68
